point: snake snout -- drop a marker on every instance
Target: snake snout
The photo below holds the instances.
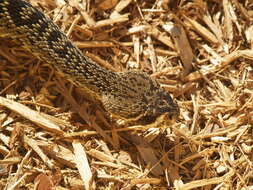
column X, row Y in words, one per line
column 166, row 105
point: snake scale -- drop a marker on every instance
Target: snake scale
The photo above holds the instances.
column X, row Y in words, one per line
column 128, row 95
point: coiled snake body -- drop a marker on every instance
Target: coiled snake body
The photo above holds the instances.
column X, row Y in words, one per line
column 131, row 94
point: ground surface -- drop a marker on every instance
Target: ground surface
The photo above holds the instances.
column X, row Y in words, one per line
column 54, row 135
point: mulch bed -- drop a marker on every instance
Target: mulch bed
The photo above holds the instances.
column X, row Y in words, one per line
column 54, row 135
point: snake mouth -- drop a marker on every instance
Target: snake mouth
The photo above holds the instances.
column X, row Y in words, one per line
column 173, row 115
column 175, row 111
column 170, row 115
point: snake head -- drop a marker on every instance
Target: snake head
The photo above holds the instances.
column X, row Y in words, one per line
column 160, row 103
column 137, row 97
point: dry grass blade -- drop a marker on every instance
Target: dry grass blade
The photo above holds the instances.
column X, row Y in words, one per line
column 83, row 165
column 31, row 115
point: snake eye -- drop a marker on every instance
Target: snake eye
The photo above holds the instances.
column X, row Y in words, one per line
column 166, row 105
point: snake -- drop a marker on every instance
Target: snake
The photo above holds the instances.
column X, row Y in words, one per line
column 130, row 94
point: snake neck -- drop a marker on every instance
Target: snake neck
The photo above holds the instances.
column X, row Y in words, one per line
column 44, row 39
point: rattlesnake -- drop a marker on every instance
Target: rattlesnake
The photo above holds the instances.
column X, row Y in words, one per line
column 130, row 94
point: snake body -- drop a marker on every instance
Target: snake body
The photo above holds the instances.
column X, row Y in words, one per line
column 131, row 94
